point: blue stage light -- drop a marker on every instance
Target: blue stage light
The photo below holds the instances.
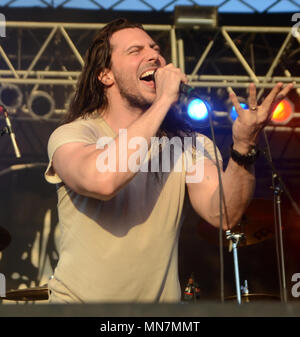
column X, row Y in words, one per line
column 234, row 114
column 197, row 109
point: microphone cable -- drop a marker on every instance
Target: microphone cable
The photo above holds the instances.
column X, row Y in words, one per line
column 221, row 202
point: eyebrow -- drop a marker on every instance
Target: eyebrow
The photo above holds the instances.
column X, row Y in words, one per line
column 152, row 45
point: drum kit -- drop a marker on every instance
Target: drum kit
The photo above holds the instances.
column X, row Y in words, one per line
column 29, row 294
column 255, row 227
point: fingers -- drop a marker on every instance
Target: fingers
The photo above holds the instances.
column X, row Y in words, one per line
column 277, row 94
column 268, row 101
column 235, row 101
column 252, row 102
column 170, row 67
column 283, row 93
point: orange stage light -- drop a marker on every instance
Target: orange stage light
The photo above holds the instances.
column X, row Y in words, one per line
column 283, row 112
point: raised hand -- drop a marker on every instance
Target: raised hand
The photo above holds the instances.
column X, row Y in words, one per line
column 250, row 122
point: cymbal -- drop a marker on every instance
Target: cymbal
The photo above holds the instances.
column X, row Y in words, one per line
column 247, row 298
column 5, row 238
column 258, row 222
column 257, row 225
column 28, row 294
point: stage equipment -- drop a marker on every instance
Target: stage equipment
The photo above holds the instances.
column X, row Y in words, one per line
column 196, row 17
column 234, row 241
column 192, row 107
column 254, row 297
column 9, row 130
column 40, row 104
column 11, row 97
column 28, row 294
column 257, row 225
column 278, row 187
column 283, row 112
column 195, row 109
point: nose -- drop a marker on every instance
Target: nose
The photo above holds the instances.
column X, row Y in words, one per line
column 153, row 56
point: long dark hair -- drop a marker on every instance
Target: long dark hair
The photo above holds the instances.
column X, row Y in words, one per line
column 90, row 92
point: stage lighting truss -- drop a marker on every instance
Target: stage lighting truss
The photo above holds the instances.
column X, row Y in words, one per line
column 11, row 97
column 233, row 57
column 40, row 104
column 47, row 54
column 42, row 54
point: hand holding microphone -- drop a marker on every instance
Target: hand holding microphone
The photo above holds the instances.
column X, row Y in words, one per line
column 184, row 89
column 10, row 131
column 170, row 82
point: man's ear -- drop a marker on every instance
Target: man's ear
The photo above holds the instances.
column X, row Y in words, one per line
column 106, row 77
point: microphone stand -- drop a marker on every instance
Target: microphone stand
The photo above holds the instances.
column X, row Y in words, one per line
column 8, row 130
column 278, row 187
column 235, row 239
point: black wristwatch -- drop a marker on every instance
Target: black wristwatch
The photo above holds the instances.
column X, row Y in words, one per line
column 245, row 160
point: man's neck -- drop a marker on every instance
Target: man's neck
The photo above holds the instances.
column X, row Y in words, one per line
column 120, row 118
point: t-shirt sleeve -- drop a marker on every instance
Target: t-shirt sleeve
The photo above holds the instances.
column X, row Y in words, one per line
column 202, row 149
column 78, row 131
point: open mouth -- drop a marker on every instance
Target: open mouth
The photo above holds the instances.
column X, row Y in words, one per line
column 148, row 78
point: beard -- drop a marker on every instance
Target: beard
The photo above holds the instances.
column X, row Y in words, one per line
column 133, row 100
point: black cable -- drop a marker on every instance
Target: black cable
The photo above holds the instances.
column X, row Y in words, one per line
column 277, row 181
column 221, row 197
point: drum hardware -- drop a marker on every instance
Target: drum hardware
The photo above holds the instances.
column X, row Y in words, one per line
column 257, row 225
column 234, row 241
column 278, row 187
column 8, row 130
column 244, row 288
column 250, row 297
column 28, row 294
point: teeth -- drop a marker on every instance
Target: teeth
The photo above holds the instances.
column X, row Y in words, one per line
column 147, row 73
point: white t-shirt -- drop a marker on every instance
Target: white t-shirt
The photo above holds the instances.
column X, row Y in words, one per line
column 124, row 249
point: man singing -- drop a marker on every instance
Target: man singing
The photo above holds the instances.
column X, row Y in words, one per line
column 120, row 227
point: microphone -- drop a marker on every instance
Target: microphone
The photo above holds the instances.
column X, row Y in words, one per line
column 9, row 130
column 184, row 89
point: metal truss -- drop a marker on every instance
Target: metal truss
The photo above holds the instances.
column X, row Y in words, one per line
column 267, row 80
column 49, row 56
column 233, row 57
column 165, row 5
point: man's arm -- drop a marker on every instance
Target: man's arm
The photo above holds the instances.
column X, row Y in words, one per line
column 238, row 186
column 238, row 182
column 75, row 163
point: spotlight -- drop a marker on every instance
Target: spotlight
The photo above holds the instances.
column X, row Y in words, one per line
column 232, row 113
column 11, row 97
column 40, row 105
column 196, row 17
column 283, row 112
column 195, row 110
